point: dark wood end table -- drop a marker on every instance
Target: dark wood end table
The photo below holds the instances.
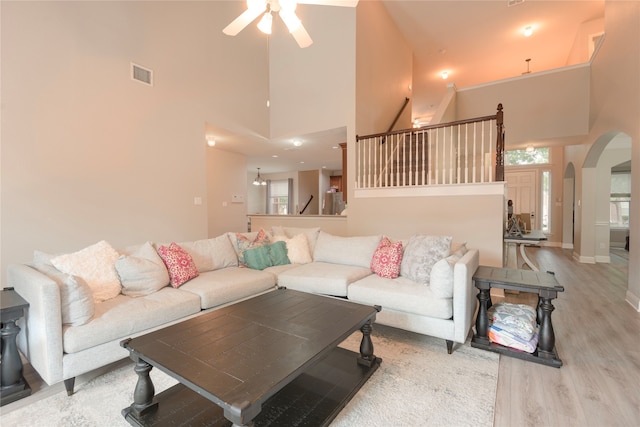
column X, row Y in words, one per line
column 269, row 360
column 543, row 284
column 13, row 386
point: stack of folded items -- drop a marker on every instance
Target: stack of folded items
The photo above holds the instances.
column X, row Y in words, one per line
column 514, row 326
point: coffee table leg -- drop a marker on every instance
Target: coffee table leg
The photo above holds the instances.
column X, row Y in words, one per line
column 143, row 393
column 366, row 346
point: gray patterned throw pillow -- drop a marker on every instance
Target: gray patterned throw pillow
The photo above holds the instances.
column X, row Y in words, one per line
column 421, row 253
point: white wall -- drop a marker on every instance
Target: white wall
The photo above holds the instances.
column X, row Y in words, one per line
column 313, row 89
column 89, row 154
column 615, row 108
column 226, row 177
column 533, row 104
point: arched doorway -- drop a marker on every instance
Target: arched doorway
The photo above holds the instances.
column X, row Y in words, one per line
column 609, row 150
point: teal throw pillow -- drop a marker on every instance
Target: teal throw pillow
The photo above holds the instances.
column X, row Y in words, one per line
column 266, row 256
column 278, row 253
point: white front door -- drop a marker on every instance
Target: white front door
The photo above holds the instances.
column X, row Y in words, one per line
column 522, row 189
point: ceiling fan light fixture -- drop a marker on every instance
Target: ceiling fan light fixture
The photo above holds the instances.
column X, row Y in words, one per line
column 290, row 19
column 256, row 5
column 265, row 23
column 288, row 5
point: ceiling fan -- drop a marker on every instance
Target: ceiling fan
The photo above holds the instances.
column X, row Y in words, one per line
column 287, row 11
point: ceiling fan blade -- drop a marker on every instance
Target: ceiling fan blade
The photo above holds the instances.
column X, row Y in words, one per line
column 242, row 21
column 344, row 3
column 302, row 37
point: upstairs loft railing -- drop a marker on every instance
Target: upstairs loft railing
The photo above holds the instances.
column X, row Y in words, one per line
column 461, row 152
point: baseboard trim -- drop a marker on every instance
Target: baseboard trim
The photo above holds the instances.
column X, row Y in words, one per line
column 603, row 259
column 634, row 300
column 584, row 259
column 567, row 246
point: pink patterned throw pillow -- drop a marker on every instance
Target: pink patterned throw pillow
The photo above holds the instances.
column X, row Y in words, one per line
column 179, row 264
column 243, row 242
column 387, row 259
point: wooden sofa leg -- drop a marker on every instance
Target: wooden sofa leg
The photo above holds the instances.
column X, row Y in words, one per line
column 68, row 384
column 449, row 346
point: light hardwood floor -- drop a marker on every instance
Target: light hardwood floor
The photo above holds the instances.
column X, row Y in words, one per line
column 597, row 338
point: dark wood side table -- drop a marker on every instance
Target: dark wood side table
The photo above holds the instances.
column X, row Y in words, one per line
column 543, row 284
column 13, row 386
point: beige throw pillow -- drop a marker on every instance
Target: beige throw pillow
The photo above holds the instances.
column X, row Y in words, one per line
column 142, row 272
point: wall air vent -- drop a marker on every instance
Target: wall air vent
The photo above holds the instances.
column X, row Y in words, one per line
column 141, row 74
column 514, row 2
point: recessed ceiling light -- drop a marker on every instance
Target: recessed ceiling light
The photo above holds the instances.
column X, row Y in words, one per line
column 444, row 75
column 527, row 31
column 301, row 162
column 297, row 143
column 275, row 155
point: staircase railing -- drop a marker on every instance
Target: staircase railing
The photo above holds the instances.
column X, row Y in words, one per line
column 459, row 152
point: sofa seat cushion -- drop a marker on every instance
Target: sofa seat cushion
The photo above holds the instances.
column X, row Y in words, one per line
column 229, row 284
column 122, row 316
column 322, row 278
column 400, row 294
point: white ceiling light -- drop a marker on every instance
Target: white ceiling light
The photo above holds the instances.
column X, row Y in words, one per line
column 444, row 75
column 265, row 23
column 287, row 11
column 527, row 31
column 211, row 141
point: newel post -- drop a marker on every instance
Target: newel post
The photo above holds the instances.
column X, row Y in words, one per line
column 500, row 144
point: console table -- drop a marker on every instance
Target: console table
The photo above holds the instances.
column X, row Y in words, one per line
column 543, row 284
column 533, row 237
column 13, row 385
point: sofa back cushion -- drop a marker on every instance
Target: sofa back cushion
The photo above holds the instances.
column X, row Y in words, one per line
column 357, row 251
column 212, row 254
column 421, row 253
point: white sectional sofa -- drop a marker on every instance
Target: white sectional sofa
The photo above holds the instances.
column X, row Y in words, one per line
column 67, row 332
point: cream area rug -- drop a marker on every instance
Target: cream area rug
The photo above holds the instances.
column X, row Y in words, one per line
column 418, row 384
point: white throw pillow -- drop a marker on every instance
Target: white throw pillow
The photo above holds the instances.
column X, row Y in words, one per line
column 420, row 255
column 297, row 248
column 142, row 272
column 311, row 233
column 94, row 264
column 76, row 300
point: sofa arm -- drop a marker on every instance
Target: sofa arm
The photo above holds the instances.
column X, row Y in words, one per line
column 41, row 337
column 464, row 294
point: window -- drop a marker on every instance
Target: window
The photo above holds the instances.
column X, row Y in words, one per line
column 546, row 201
column 278, row 202
column 524, row 157
column 620, row 199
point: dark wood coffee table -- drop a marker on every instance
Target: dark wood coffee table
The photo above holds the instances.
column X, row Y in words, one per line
column 270, row 360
